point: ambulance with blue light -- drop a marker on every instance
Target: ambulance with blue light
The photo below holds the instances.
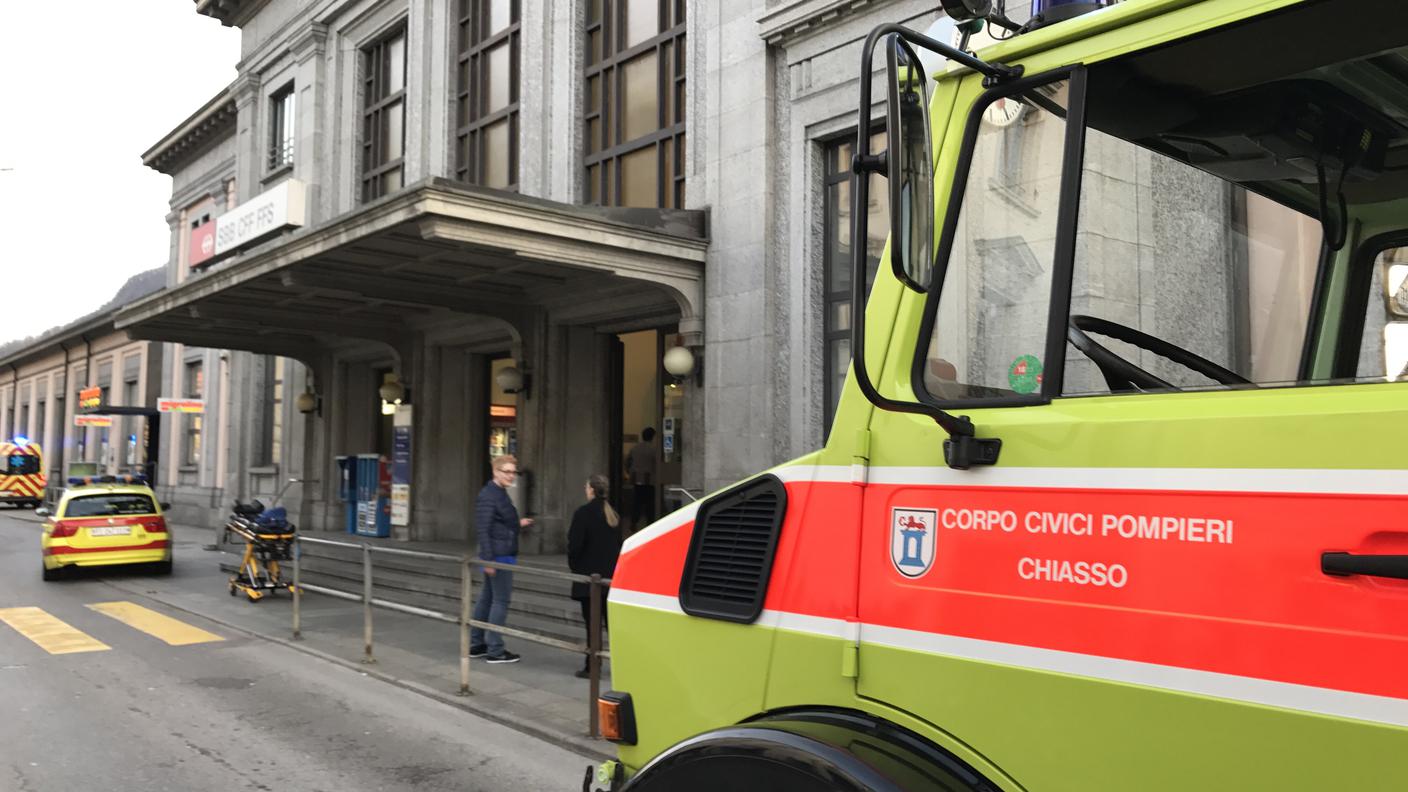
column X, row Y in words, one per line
column 22, row 479
column 1115, row 495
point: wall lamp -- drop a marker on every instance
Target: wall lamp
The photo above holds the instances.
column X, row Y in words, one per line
column 511, row 380
column 307, row 402
column 392, row 393
column 680, row 363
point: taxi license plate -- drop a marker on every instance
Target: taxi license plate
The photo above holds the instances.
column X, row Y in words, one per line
column 110, row 530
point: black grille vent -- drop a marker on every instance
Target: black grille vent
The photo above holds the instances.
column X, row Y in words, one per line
column 731, row 552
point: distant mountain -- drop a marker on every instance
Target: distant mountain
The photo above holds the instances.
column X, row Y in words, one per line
column 136, row 287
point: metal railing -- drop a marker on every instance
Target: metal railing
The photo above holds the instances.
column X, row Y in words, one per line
column 592, row 649
column 686, row 491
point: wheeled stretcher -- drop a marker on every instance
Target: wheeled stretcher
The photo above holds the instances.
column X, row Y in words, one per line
column 268, row 537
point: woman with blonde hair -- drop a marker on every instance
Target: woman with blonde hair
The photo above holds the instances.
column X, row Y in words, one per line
column 593, row 542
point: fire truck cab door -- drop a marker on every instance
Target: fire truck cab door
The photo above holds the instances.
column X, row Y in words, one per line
column 1178, row 582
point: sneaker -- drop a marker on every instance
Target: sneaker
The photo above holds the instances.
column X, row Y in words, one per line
column 584, row 673
column 478, row 650
column 504, row 657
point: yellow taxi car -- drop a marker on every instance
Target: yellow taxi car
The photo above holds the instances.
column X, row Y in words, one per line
column 104, row 521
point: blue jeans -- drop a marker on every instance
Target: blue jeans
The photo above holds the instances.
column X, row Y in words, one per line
column 493, row 608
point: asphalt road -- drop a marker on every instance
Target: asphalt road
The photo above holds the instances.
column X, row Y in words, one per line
column 237, row 713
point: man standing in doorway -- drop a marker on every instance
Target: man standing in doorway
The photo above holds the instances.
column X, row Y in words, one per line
column 497, row 523
column 640, row 466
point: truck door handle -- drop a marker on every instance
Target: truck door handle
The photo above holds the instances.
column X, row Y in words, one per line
column 1389, row 566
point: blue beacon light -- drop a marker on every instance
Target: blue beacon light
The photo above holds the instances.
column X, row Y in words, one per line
column 1045, row 12
column 21, row 440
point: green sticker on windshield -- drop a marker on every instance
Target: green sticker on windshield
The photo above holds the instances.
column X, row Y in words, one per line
column 1025, row 374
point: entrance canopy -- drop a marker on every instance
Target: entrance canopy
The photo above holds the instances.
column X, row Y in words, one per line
column 437, row 249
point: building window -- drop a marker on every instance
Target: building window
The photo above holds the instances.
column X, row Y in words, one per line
column 271, row 449
column 194, row 389
column 634, row 116
column 105, row 433
column 486, row 127
column 281, row 128
column 131, row 423
column 61, row 434
column 80, row 435
column 384, row 115
column 836, row 255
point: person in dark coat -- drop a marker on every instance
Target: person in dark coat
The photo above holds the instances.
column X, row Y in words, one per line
column 497, row 523
column 593, row 542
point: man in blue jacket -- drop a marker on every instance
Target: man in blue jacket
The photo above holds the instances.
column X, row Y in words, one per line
column 497, row 523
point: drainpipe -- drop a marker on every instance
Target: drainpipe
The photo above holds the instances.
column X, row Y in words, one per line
column 14, row 394
column 87, row 377
column 62, row 454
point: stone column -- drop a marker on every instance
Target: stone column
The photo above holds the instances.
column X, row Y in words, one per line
column 425, row 442
column 46, row 431
column 533, row 434
column 309, row 48
column 248, row 156
column 730, row 144
column 310, row 433
column 429, row 92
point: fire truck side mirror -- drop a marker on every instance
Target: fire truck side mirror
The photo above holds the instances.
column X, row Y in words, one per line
column 1395, row 331
column 910, row 166
column 1396, row 290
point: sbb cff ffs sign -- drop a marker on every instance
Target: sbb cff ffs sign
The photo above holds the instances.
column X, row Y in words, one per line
column 273, row 210
column 89, row 398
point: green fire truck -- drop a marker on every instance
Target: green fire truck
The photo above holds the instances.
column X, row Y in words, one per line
column 1116, row 496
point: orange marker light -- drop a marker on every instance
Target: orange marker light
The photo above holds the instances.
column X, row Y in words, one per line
column 617, row 717
column 609, row 713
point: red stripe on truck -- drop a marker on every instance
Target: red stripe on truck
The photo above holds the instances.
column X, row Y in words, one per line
column 1226, row 582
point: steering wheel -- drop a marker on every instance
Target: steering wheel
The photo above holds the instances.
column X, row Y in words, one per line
column 1122, row 375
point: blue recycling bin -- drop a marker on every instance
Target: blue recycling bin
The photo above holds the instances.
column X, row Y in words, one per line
column 347, row 491
column 373, row 496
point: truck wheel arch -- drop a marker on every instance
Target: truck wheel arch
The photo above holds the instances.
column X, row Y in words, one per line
column 839, row 750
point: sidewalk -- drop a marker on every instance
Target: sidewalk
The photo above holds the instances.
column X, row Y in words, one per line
column 539, row 695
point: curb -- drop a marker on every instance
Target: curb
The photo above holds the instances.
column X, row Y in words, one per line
column 591, row 749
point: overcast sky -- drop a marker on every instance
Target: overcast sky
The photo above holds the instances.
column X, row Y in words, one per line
column 86, row 86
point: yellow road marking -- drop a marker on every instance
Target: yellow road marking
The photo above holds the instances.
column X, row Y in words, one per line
column 52, row 635
column 159, row 625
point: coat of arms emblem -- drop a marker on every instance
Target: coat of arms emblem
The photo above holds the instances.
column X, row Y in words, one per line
column 912, row 540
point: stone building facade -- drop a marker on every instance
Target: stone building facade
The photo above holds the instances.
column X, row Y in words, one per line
column 565, row 188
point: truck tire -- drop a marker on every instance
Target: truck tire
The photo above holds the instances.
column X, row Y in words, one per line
column 804, row 751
